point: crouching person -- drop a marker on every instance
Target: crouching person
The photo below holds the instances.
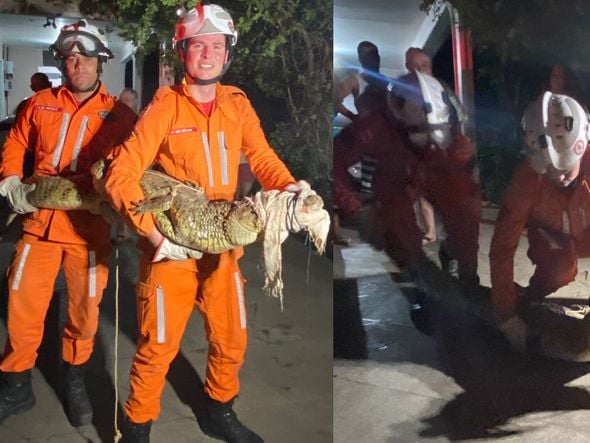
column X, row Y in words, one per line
column 549, row 196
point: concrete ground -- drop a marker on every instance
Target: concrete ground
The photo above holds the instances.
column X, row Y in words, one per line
column 286, row 381
column 395, row 384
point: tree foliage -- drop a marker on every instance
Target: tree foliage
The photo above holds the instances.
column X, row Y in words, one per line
column 283, row 57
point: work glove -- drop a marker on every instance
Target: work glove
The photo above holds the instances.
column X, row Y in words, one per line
column 16, row 193
column 298, row 187
column 516, row 332
column 172, row 251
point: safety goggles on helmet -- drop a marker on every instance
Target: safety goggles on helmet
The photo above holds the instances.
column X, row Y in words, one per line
column 205, row 20
column 567, row 128
column 84, row 39
column 421, row 104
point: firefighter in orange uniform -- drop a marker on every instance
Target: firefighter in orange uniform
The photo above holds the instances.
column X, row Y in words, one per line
column 549, row 196
column 194, row 132
column 67, row 128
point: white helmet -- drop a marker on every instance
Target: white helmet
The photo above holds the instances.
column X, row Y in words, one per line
column 83, row 38
column 556, row 132
column 566, row 124
column 535, row 139
column 421, row 104
column 205, row 20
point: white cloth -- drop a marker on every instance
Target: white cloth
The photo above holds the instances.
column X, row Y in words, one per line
column 284, row 212
column 172, row 251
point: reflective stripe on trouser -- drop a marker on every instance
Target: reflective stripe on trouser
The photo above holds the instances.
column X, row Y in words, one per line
column 166, row 296
column 31, row 281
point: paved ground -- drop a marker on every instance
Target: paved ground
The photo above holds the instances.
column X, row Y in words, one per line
column 394, row 384
column 286, row 381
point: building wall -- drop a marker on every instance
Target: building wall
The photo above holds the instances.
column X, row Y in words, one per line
column 26, row 61
column 3, row 111
column 113, row 75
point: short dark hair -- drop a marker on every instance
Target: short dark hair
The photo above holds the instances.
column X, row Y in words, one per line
column 366, row 46
column 42, row 77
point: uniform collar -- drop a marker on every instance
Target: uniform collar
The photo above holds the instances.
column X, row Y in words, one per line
column 220, row 90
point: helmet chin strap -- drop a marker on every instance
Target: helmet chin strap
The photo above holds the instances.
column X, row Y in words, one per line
column 209, row 81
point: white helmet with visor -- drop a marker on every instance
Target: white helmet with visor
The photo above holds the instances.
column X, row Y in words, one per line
column 205, row 20
column 557, row 131
column 421, row 104
column 83, row 38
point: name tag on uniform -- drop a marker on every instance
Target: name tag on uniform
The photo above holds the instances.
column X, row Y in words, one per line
column 183, row 130
column 48, row 108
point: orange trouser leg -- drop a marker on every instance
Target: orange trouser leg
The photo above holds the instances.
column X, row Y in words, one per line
column 458, row 199
column 30, row 292
column 397, row 218
column 221, row 302
column 86, row 270
column 166, row 296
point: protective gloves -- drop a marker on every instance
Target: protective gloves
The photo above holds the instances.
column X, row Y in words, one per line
column 172, row 251
column 516, row 332
column 16, row 194
column 298, row 187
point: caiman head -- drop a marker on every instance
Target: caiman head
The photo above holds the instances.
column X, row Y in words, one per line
column 246, row 217
column 313, row 218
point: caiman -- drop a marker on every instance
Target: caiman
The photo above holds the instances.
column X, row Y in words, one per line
column 554, row 329
column 181, row 211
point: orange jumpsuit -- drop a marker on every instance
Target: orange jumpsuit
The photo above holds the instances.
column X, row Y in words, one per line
column 558, row 225
column 66, row 138
column 180, row 139
column 445, row 178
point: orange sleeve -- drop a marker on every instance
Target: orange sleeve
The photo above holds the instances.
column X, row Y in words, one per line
column 268, row 168
column 134, row 156
column 18, row 141
column 512, row 220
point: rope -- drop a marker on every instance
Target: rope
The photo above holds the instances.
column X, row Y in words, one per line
column 308, row 243
column 118, row 434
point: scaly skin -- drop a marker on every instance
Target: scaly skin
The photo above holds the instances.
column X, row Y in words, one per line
column 181, row 211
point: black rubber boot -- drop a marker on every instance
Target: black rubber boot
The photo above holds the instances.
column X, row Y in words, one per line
column 75, row 399
column 16, row 394
column 220, row 421
column 136, row 432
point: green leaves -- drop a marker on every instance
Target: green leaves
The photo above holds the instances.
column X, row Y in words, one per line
column 284, row 53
